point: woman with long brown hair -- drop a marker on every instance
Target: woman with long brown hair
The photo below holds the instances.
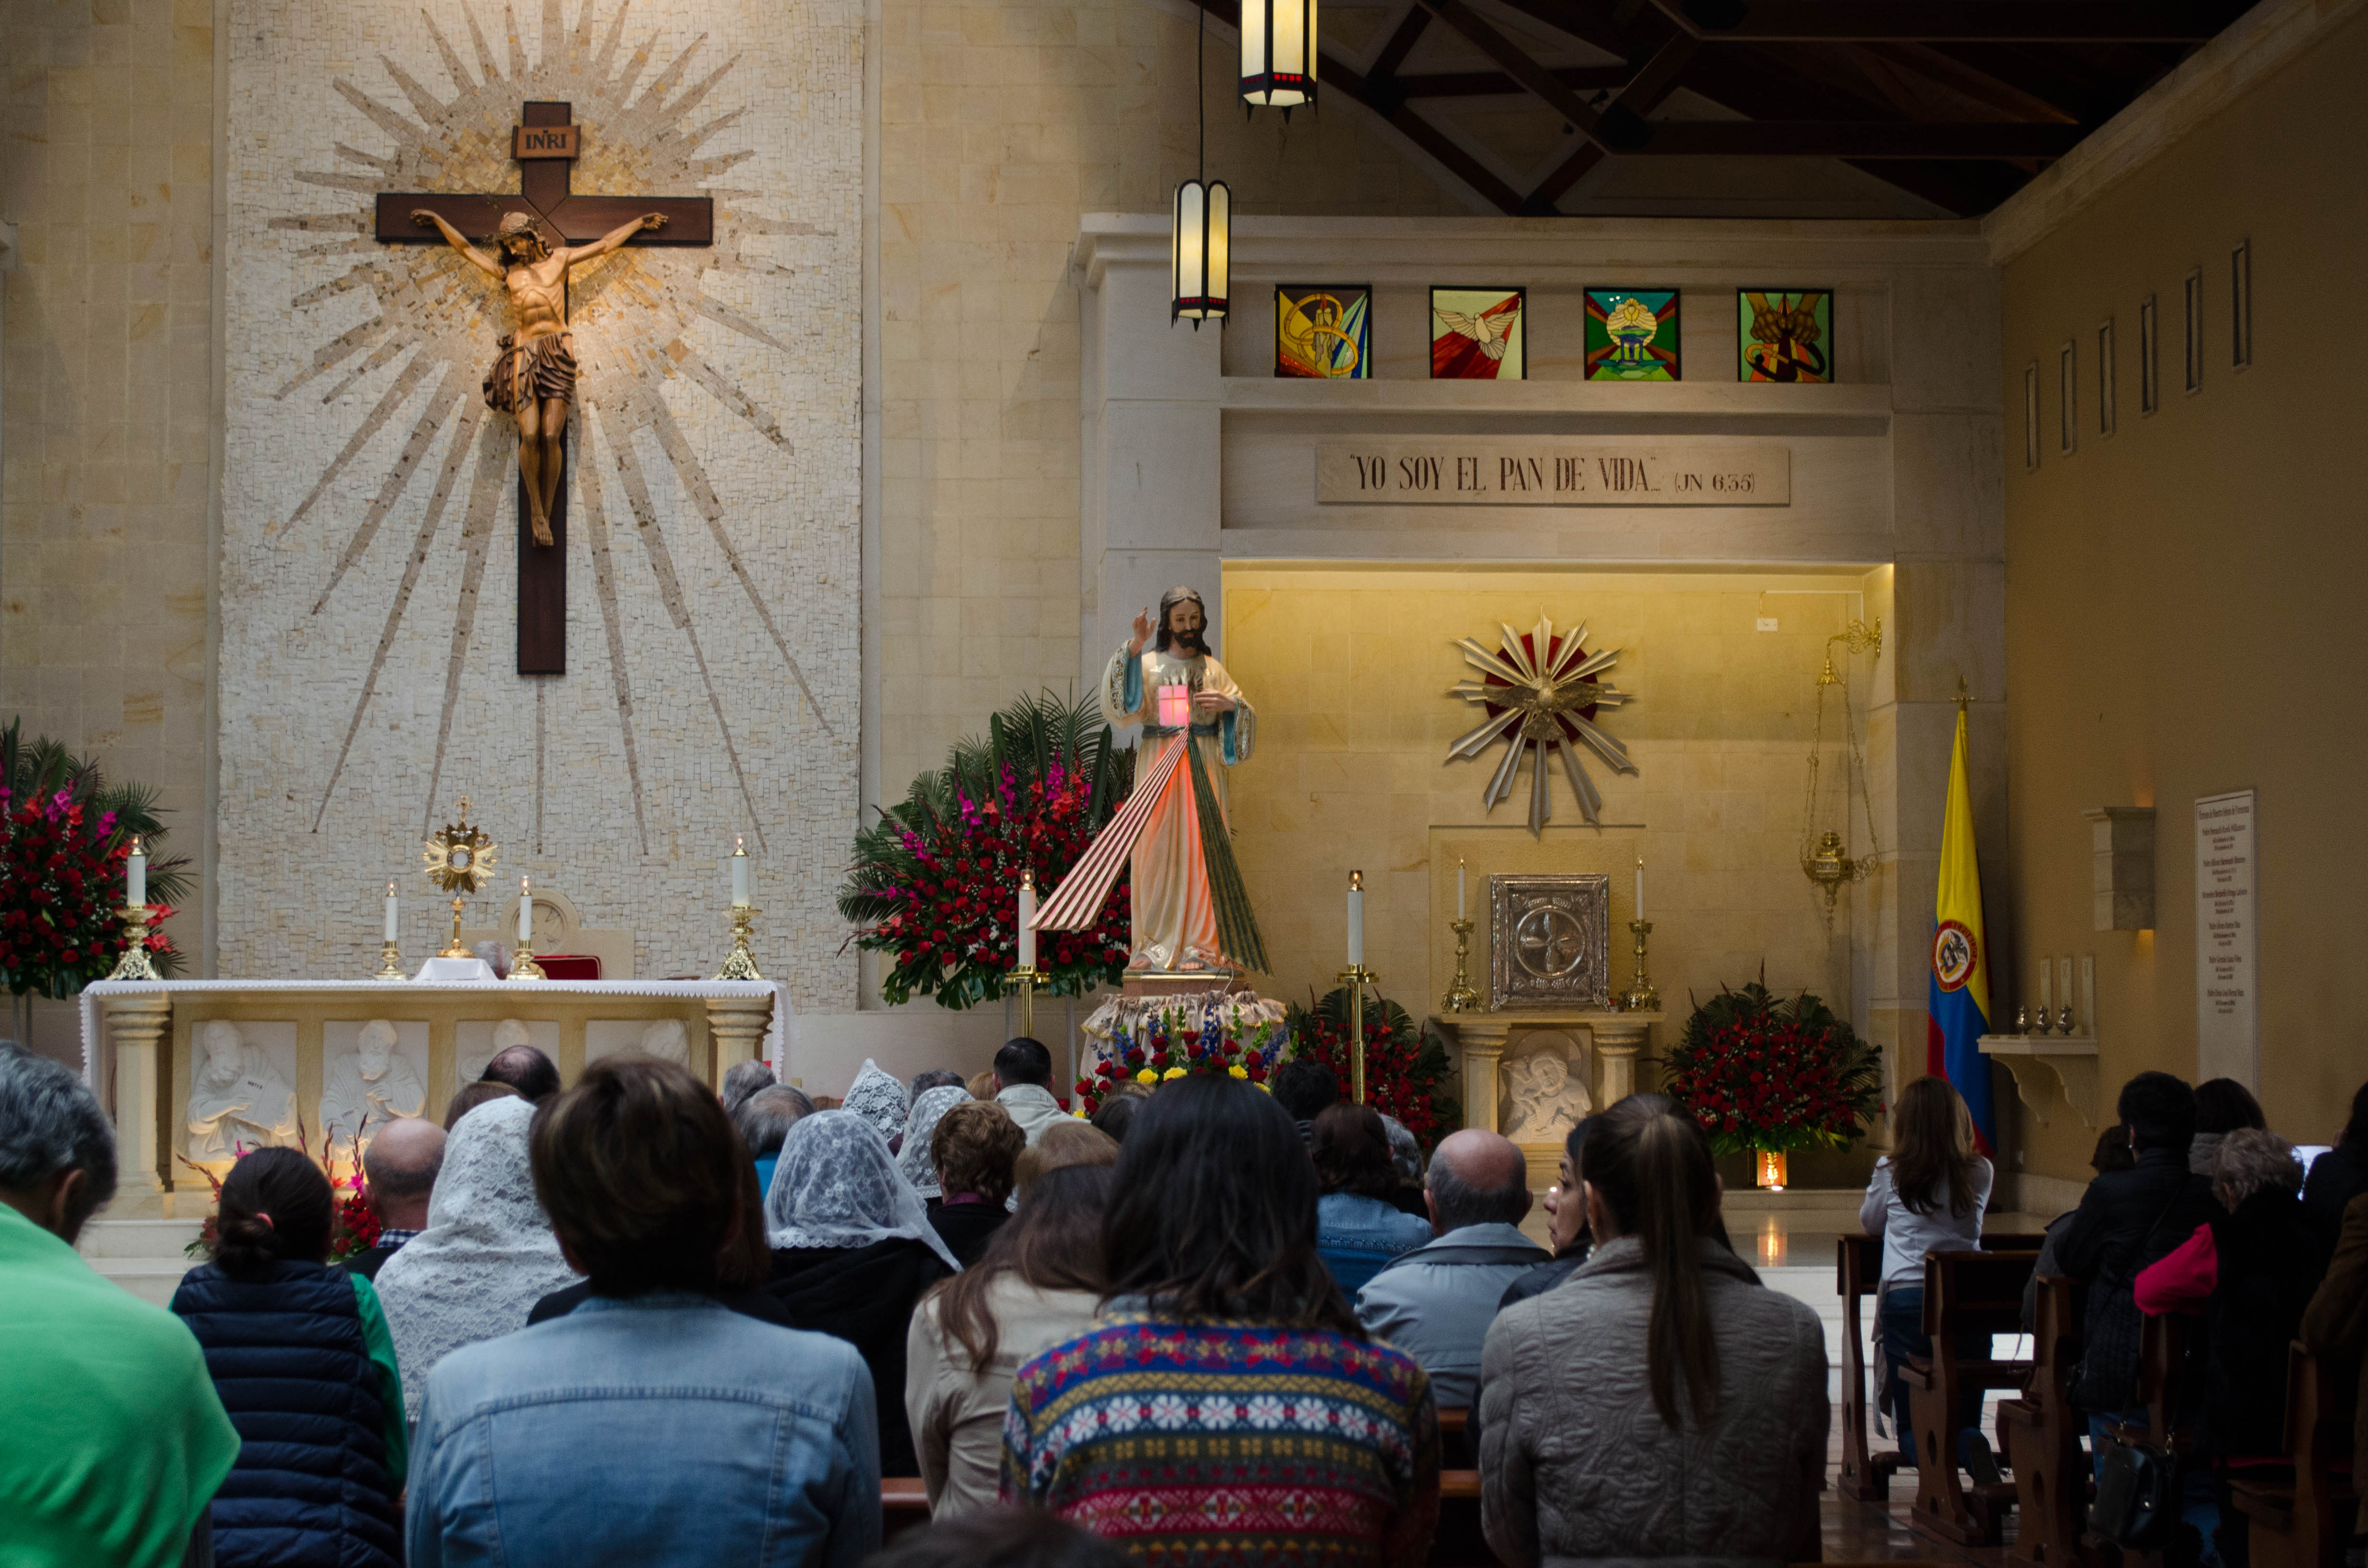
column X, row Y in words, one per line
column 1709, row 1444
column 1927, row 1194
column 1039, row 1283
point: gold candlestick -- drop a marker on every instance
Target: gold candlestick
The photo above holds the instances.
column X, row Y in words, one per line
column 453, row 949
column 1640, row 997
column 1356, row 977
column 522, row 964
column 391, row 956
column 742, row 964
column 134, row 964
column 1028, row 981
column 1460, row 997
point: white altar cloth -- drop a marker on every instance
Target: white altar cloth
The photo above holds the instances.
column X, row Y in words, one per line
column 776, row 1032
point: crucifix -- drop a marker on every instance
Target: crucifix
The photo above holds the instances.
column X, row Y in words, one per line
column 535, row 236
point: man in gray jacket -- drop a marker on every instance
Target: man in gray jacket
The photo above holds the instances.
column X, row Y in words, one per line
column 1022, row 1069
column 1436, row 1303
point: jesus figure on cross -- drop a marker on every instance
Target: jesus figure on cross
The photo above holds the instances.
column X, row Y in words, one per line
column 534, row 379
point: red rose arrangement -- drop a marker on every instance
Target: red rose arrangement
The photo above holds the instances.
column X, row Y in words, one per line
column 936, row 883
column 65, row 837
column 1406, row 1071
column 1168, row 1050
column 1779, row 1074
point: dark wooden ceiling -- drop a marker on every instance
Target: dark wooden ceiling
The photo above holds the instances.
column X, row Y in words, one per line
column 1955, row 103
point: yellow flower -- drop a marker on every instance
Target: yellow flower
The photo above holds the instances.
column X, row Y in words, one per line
column 1264, row 1090
column 1147, row 1076
column 1238, row 1071
column 1173, row 1073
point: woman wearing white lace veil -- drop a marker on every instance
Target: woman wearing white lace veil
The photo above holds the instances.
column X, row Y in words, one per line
column 877, row 1099
column 486, row 1257
column 853, row 1251
column 913, row 1157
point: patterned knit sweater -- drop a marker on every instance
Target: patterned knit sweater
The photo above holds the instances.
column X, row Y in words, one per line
column 1229, row 1444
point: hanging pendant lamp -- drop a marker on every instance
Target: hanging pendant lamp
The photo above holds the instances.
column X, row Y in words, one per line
column 1201, row 249
column 1278, row 53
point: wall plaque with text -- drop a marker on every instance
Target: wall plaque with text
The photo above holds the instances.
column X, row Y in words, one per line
column 1551, row 471
column 2228, row 953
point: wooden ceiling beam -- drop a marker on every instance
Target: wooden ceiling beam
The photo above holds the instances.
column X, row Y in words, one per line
column 1516, row 63
column 1496, row 83
column 1392, row 107
column 1860, row 21
column 1623, row 120
column 1855, row 139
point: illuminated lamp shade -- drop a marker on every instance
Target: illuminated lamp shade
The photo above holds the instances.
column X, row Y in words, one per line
column 1278, row 53
column 1201, row 253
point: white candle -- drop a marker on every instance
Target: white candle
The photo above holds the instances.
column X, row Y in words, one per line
column 1458, row 889
column 739, row 873
column 1027, row 920
column 1356, row 920
column 390, row 912
column 135, row 875
column 1640, row 887
column 526, row 912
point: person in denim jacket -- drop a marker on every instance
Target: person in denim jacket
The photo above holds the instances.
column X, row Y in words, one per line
column 651, row 1423
column 1358, row 1229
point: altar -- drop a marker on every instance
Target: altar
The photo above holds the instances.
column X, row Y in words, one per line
column 1532, row 1074
column 320, row 1054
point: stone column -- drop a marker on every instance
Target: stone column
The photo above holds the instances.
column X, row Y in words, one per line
column 1617, row 1045
column 138, row 1026
column 1483, row 1043
column 738, row 1026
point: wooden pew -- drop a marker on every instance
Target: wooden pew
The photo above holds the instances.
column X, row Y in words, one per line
column 1972, row 1294
column 2163, row 1343
column 2305, row 1522
column 903, row 1506
column 2042, row 1435
column 1858, row 1267
column 1459, row 1542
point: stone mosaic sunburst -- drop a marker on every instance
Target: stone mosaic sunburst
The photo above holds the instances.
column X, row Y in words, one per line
column 1541, row 692
column 435, row 321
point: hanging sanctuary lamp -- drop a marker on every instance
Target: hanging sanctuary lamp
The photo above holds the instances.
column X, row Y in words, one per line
column 1278, row 53
column 1200, row 250
column 1824, row 858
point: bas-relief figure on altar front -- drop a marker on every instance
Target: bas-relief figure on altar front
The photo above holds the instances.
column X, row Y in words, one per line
column 367, row 1086
column 237, row 1097
column 668, row 1040
column 474, row 1048
column 1545, row 1101
column 1175, row 905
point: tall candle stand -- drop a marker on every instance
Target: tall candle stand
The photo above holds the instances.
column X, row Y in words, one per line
column 1028, row 980
column 1460, row 997
column 1640, row 997
column 742, row 964
column 134, row 964
column 391, row 958
column 1356, row 977
column 522, row 964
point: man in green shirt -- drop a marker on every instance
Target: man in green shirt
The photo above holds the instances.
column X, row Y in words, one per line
column 111, row 1439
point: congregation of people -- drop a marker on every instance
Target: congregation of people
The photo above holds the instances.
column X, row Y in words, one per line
column 636, row 1321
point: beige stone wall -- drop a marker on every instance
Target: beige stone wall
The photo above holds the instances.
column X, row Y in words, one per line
column 1000, row 123
column 106, row 174
column 1349, row 668
column 2182, row 612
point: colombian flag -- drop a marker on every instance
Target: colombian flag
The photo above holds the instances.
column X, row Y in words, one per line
column 1960, row 1003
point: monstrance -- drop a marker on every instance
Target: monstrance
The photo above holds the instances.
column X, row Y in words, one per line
column 1541, row 693
column 459, row 857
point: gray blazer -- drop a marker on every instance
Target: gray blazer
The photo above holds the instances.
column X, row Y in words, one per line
column 1574, row 1462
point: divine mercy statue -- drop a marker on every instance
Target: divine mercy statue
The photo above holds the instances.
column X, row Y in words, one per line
column 1189, row 911
column 534, row 379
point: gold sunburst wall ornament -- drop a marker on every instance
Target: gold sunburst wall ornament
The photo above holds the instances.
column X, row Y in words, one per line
column 1542, row 692
column 458, row 858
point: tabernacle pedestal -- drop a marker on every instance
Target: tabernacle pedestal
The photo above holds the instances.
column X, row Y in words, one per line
column 1605, row 1064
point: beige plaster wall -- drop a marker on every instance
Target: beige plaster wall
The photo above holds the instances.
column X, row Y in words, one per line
column 2182, row 612
column 106, row 173
column 999, row 124
column 1350, row 670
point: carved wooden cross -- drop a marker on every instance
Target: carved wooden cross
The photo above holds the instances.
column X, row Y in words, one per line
column 545, row 144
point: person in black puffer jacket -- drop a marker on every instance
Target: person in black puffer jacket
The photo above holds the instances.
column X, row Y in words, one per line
column 2341, row 1174
column 2126, row 1221
column 302, row 1362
